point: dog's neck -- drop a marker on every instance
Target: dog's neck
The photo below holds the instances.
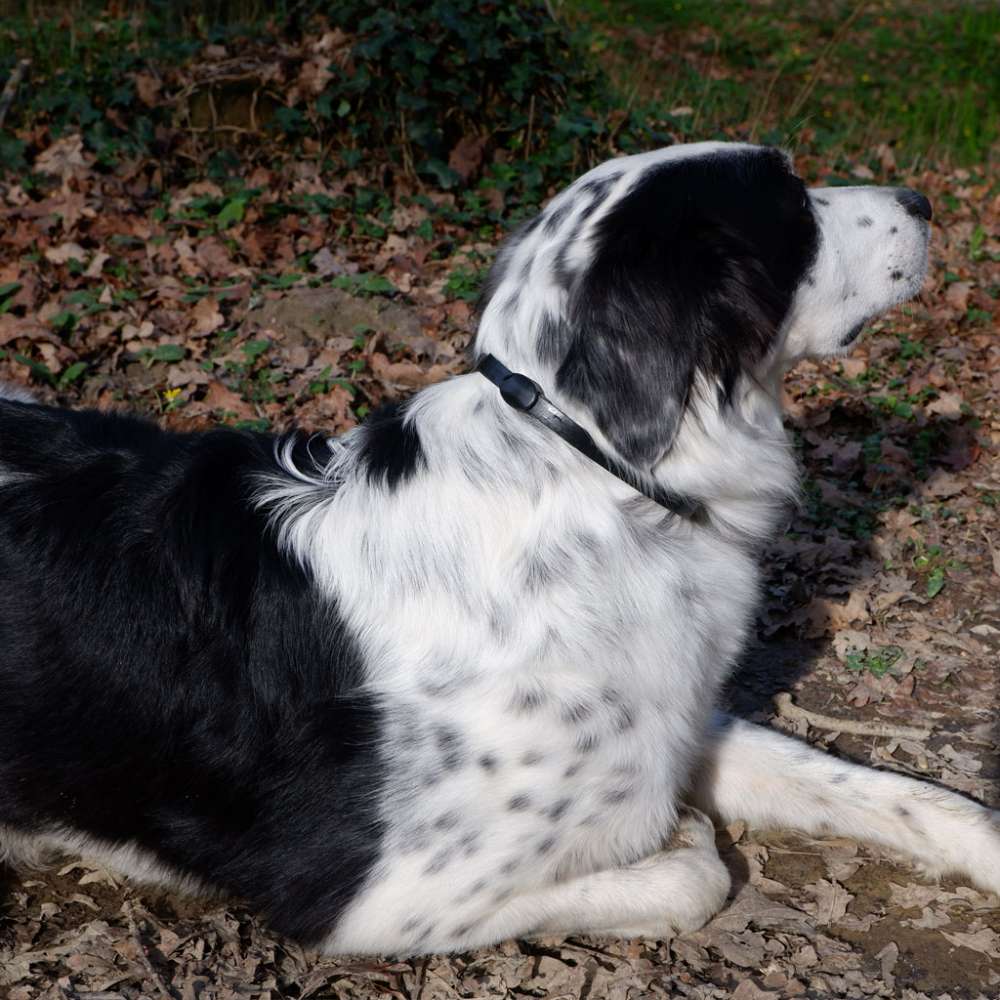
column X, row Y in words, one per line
column 737, row 463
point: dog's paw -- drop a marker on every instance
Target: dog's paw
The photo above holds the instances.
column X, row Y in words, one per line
column 690, row 878
column 694, row 830
column 949, row 835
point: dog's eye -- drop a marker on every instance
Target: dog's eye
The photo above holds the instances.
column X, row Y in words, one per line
column 805, row 200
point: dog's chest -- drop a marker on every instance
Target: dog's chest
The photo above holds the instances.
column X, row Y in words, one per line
column 563, row 731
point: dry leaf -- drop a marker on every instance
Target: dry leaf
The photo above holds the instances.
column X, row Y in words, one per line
column 948, row 405
column 148, row 87
column 66, row 252
column 848, row 640
column 957, row 295
column 64, row 158
column 467, row 156
column 206, row 317
column 832, row 900
column 853, row 367
column 218, row 397
column 985, row 940
column 324, row 263
column 943, row 485
column 749, row 990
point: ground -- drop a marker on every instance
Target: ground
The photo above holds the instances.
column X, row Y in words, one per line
column 294, row 295
column 881, row 604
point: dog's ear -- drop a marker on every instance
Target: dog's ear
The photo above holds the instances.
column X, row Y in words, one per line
column 689, row 276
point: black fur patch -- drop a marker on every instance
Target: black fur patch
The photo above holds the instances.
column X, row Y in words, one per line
column 391, row 451
column 693, row 271
column 168, row 676
column 852, row 334
column 557, row 216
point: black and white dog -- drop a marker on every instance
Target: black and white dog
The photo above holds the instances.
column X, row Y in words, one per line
column 448, row 679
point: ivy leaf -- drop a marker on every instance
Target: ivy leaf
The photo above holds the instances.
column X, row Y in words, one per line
column 72, row 373
column 169, row 352
column 935, row 582
column 231, row 213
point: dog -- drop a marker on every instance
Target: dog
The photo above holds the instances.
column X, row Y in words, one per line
column 451, row 678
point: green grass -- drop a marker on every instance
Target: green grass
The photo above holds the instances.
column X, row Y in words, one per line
column 877, row 662
column 824, row 76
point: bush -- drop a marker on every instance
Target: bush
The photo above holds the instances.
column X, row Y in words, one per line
column 459, row 92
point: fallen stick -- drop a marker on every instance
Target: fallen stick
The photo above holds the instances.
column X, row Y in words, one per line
column 147, row 965
column 10, row 87
column 787, row 709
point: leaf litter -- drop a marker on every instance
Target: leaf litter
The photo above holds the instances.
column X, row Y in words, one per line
column 881, row 600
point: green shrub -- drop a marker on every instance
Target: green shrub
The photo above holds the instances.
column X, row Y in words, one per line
column 514, row 85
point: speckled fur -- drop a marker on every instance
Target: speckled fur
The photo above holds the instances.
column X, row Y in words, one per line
column 556, row 642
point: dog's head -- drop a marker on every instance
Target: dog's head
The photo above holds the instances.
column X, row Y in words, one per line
column 684, row 272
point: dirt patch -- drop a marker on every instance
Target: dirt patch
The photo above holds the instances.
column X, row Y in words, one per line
column 313, row 315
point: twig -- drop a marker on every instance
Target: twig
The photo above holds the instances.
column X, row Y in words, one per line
column 787, row 709
column 10, row 87
column 236, row 129
column 765, row 100
column 531, row 122
column 708, row 83
column 419, row 978
column 807, row 89
column 404, row 143
column 147, row 965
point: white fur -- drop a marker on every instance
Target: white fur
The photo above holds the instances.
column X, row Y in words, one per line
column 867, row 238
column 15, row 392
column 645, row 612
column 36, row 850
column 18, row 394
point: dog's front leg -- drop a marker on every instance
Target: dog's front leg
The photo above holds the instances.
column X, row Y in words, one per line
column 775, row 781
column 673, row 891
column 677, row 890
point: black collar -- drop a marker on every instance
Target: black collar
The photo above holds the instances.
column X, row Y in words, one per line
column 521, row 393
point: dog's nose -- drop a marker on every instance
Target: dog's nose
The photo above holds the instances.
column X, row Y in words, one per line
column 914, row 203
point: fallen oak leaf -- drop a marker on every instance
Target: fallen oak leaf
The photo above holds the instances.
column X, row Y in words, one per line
column 399, row 372
column 984, row 940
column 64, row 157
column 65, row 252
column 467, row 155
column 832, row 900
column 12, row 327
column 947, row 405
column 147, row 87
column 943, row 485
column 206, row 317
column 957, row 295
column 96, row 265
column 219, row 397
column 324, row 263
column 824, row 615
column 853, row 367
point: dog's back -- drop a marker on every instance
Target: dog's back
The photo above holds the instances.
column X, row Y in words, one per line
column 178, row 681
